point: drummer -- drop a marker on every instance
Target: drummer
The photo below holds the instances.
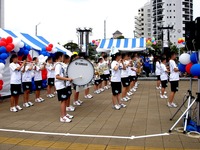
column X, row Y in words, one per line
column 65, row 64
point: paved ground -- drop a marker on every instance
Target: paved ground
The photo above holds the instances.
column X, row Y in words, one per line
column 145, row 114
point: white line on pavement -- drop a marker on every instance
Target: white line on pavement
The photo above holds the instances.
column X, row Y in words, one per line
column 85, row 135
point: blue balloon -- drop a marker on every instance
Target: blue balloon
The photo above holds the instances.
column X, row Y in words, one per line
column 2, row 61
column 3, row 56
column 181, row 67
column 194, row 58
column 195, row 70
column 47, row 54
column 2, row 49
column 43, row 53
column 44, row 49
column 27, row 47
column 26, row 52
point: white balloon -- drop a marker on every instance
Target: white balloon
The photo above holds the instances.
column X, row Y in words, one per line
column 54, row 50
column 1, row 76
column 17, row 49
column 2, row 66
column 21, row 44
column 16, row 42
column 184, row 59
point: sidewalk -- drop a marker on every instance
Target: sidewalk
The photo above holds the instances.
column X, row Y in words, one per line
column 146, row 114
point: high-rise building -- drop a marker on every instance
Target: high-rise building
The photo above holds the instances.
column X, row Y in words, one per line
column 168, row 13
column 143, row 22
column 1, row 13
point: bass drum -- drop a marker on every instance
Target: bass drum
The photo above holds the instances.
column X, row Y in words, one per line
column 81, row 71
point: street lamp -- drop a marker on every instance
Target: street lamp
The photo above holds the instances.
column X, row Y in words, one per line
column 36, row 26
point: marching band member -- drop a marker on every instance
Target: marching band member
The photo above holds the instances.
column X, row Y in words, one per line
column 125, row 78
column 50, row 76
column 174, row 79
column 38, row 79
column 15, row 82
column 87, row 89
column 163, row 77
column 106, row 73
column 158, row 67
column 101, row 71
column 27, row 73
column 116, row 80
column 60, row 85
column 133, row 73
column 68, row 83
column 97, row 79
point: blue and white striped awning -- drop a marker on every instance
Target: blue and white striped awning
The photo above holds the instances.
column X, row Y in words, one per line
column 35, row 42
column 129, row 45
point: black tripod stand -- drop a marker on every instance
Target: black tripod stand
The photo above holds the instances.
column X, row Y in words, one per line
column 186, row 111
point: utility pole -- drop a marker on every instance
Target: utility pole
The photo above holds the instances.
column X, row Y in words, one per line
column 104, row 29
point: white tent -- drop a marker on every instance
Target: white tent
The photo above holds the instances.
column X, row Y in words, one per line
column 128, row 45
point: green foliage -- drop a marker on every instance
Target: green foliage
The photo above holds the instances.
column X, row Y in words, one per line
column 92, row 51
column 71, row 46
column 121, row 37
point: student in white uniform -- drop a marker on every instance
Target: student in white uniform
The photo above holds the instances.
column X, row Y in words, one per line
column 174, row 79
column 97, row 79
column 101, row 73
column 157, row 72
column 60, row 85
column 125, row 77
column 50, row 77
column 163, row 77
column 65, row 64
column 15, row 82
column 133, row 73
column 87, row 89
column 27, row 73
column 116, row 80
column 106, row 73
column 38, row 79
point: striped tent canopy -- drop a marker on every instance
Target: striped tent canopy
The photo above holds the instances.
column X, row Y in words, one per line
column 127, row 45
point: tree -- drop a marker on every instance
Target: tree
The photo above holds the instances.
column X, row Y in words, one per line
column 71, row 46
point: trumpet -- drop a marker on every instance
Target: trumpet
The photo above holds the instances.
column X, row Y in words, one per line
column 28, row 62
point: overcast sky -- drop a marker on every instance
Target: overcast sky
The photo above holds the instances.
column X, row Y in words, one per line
column 59, row 18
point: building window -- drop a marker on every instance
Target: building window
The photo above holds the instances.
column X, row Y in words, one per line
column 170, row 16
column 174, row 10
column 167, row 17
column 149, row 15
column 170, row 10
column 142, row 9
column 167, row 10
column 142, row 14
column 167, row 4
column 149, row 10
column 174, row 4
column 170, row 4
column 174, row 17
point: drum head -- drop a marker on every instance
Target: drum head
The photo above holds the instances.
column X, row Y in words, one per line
column 81, row 70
